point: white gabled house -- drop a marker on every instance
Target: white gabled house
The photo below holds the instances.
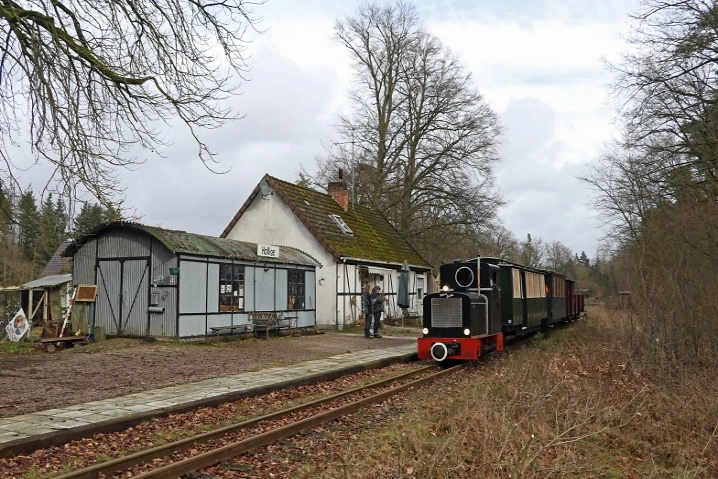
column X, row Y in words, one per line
column 354, row 245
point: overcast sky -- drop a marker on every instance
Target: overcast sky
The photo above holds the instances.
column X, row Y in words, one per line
column 537, row 63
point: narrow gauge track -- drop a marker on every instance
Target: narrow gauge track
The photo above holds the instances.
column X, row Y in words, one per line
column 217, row 455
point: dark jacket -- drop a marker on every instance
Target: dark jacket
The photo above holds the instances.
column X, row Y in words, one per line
column 378, row 301
column 367, row 306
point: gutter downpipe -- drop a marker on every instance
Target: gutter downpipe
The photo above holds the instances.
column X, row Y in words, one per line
column 336, row 295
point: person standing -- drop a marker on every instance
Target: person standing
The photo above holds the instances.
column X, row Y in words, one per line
column 368, row 310
column 378, row 299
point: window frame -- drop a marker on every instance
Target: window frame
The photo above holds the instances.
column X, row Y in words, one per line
column 298, row 279
column 235, row 280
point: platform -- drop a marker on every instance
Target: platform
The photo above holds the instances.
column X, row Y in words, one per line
column 29, row 432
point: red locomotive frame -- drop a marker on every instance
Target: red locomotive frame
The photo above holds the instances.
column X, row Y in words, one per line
column 470, row 348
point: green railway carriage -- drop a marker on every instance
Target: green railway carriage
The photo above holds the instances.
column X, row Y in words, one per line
column 524, row 305
column 557, row 307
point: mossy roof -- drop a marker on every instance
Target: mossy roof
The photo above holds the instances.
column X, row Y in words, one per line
column 181, row 242
column 373, row 239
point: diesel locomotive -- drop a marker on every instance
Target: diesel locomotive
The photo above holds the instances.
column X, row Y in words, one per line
column 483, row 300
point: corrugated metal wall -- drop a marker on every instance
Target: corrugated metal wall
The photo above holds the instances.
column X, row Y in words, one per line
column 83, row 264
column 249, row 304
column 135, row 297
column 164, row 325
column 119, row 243
column 280, row 288
column 193, row 287
column 213, row 288
column 129, row 263
column 264, row 289
column 107, row 313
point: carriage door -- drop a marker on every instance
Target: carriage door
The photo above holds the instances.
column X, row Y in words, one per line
column 123, row 296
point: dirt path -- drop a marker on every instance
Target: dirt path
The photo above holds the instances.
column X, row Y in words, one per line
column 41, row 380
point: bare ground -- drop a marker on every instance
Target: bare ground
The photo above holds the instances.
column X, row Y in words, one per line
column 41, row 380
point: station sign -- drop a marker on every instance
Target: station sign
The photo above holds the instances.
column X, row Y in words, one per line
column 267, row 251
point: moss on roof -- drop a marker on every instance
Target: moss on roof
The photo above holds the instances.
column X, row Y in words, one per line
column 374, row 237
column 181, row 242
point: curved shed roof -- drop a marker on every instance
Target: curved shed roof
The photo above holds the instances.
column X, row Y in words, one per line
column 181, row 242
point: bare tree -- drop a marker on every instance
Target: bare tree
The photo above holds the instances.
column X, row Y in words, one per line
column 423, row 139
column 669, row 84
column 532, row 252
column 82, row 81
column 560, row 258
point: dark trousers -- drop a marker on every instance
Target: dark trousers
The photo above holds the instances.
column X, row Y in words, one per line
column 372, row 321
column 368, row 318
column 377, row 322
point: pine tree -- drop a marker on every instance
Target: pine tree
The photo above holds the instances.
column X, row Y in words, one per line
column 52, row 230
column 583, row 259
column 28, row 227
column 93, row 215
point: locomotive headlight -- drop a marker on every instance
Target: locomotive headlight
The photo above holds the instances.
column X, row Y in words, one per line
column 445, row 289
column 425, row 330
column 467, row 331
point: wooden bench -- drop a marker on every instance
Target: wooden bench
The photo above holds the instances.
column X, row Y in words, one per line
column 410, row 313
column 218, row 329
column 264, row 320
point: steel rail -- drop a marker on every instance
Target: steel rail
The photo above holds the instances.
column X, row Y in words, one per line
column 123, row 463
column 208, row 459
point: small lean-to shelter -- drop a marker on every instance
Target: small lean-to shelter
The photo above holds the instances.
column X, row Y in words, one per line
column 167, row 283
column 43, row 300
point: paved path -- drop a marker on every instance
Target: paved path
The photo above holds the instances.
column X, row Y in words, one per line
column 39, row 429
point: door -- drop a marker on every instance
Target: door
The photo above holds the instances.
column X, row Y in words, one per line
column 123, row 296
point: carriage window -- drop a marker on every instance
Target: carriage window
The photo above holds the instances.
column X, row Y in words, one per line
column 516, row 279
column 296, row 289
column 535, row 285
column 231, row 288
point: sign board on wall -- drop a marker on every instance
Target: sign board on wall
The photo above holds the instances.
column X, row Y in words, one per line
column 269, row 251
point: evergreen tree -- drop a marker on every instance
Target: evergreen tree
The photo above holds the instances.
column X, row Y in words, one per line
column 583, row 259
column 52, row 228
column 7, row 212
column 27, row 216
column 93, row 215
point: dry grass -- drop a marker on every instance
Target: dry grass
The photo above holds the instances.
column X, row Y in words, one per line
column 567, row 406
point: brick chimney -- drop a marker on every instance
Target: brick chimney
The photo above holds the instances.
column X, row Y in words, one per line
column 339, row 191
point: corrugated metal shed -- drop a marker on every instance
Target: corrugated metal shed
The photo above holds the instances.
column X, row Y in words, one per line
column 181, row 242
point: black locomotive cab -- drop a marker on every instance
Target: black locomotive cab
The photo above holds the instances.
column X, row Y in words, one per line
column 463, row 320
column 458, row 315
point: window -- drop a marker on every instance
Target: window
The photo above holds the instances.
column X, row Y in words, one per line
column 516, row 279
column 420, row 289
column 231, row 288
column 535, row 285
column 296, row 289
column 342, row 225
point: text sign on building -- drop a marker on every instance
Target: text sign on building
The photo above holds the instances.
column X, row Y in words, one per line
column 266, row 250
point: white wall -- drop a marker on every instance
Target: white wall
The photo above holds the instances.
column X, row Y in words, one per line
column 270, row 221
